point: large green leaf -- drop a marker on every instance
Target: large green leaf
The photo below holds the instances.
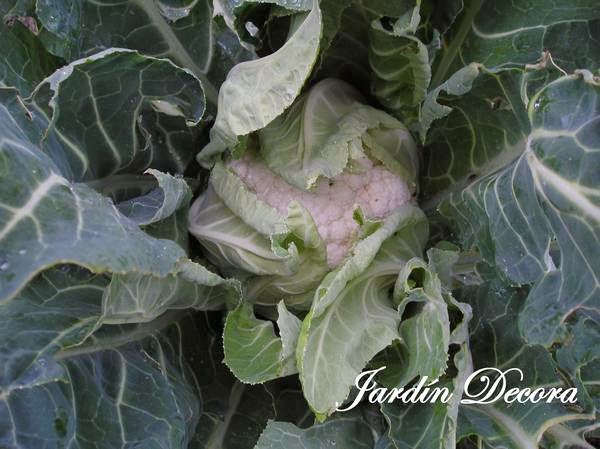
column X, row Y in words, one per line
column 507, row 34
column 549, row 194
column 81, row 28
column 100, row 391
column 135, row 297
column 88, row 230
column 496, row 341
column 489, row 33
column 104, row 397
column 352, row 316
column 160, row 384
column 255, row 92
column 118, row 111
column 58, row 309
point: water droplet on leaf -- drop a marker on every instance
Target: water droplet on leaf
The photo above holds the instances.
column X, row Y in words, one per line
column 251, row 28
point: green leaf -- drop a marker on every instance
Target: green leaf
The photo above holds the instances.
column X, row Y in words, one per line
column 347, row 39
column 252, row 350
column 548, row 194
column 401, row 65
column 255, row 92
column 171, row 194
column 119, row 111
column 342, row 432
column 483, row 126
column 443, row 14
column 162, row 211
column 103, row 393
column 427, row 337
column 333, row 11
column 346, row 55
column 88, row 230
column 496, row 341
column 427, row 334
column 59, row 308
column 235, row 414
column 83, row 27
column 430, row 425
column 24, row 61
column 234, row 12
column 328, row 127
column 352, row 316
column 137, row 298
column 442, row 259
column 458, row 84
column 499, row 36
column 309, row 139
column 578, row 356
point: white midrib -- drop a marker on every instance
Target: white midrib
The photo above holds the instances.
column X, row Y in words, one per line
column 178, row 52
column 542, row 174
column 503, row 34
column 516, row 432
column 36, row 196
column 227, row 239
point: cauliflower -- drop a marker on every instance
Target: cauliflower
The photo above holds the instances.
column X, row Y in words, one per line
column 331, row 202
column 283, row 214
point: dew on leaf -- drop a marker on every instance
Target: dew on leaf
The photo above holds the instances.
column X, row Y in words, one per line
column 251, row 28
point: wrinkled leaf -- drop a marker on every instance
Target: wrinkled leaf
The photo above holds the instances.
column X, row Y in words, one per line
column 352, row 317
column 252, row 350
column 119, row 111
column 548, row 194
column 255, row 92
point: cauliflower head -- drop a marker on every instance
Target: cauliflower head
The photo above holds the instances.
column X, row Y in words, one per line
column 291, row 207
column 332, row 201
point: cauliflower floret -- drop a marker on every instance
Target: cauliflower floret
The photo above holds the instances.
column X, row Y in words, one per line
column 331, row 202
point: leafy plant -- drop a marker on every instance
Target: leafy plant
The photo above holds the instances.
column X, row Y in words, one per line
column 215, row 215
